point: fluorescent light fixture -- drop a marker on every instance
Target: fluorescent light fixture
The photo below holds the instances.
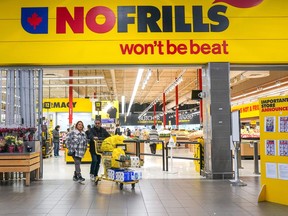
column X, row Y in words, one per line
column 74, row 78
column 249, row 97
column 73, row 85
column 123, row 104
column 137, row 82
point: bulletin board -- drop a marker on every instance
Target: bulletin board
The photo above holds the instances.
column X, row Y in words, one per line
column 274, row 149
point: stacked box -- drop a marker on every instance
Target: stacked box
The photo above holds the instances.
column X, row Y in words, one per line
column 135, row 161
column 111, row 173
column 124, row 176
column 137, row 175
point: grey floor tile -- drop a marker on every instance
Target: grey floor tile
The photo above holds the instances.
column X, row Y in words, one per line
column 152, row 197
column 77, row 212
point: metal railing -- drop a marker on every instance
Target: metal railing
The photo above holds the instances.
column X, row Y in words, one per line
column 157, row 155
column 200, row 159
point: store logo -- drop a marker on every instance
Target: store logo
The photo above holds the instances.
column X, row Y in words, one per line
column 101, row 19
column 35, row 20
column 49, row 105
column 46, row 105
column 240, row 3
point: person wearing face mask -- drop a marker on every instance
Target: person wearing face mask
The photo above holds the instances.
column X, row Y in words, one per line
column 96, row 133
column 77, row 143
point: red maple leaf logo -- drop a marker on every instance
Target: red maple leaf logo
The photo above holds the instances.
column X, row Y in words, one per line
column 34, row 20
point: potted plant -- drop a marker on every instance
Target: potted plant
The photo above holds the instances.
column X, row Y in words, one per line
column 10, row 142
column 19, row 145
column 2, row 145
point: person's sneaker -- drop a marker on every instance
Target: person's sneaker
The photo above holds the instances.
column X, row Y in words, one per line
column 92, row 177
column 75, row 178
column 80, row 178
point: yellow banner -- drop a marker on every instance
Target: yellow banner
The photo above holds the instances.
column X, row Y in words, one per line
column 136, row 32
column 248, row 110
column 62, row 105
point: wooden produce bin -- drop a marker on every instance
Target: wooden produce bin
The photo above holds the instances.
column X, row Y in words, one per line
column 247, row 148
column 21, row 162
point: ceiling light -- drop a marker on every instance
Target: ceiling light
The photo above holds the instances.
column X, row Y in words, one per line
column 249, row 97
column 74, row 85
column 123, row 104
column 137, row 82
column 148, row 75
column 174, row 84
column 74, row 78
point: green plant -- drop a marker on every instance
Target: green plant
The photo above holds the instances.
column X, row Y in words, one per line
column 19, row 142
column 10, row 140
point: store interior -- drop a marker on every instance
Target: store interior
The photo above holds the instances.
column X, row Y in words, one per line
column 118, row 84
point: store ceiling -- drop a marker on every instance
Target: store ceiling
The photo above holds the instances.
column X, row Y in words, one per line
column 120, row 82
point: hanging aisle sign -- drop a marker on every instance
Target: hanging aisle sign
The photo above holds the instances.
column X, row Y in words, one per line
column 136, row 32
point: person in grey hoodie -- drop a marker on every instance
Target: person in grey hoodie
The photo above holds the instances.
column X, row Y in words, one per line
column 56, row 136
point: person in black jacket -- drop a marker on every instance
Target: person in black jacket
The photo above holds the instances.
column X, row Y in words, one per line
column 96, row 133
column 118, row 130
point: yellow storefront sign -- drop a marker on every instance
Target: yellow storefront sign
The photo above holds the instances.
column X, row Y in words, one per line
column 248, row 110
column 136, row 32
column 62, row 105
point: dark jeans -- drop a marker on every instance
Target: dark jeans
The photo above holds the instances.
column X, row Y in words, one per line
column 56, row 148
column 153, row 148
column 95, row 164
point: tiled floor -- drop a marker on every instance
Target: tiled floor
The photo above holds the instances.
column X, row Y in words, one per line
column 180, row 193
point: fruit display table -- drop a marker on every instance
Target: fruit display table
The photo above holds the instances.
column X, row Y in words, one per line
column 21, row 162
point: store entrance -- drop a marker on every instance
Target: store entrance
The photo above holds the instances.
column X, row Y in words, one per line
column 117, row 87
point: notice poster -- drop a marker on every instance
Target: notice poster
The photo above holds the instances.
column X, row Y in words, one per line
column 271, row 170
column 283, row 171
column 269, row 124
column 283, row 147
column 283, row 124
column 274, row 148
column 270, row 147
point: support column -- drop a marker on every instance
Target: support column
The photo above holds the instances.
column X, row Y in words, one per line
column 217, row 121
column 70, row 99
column 199, row 74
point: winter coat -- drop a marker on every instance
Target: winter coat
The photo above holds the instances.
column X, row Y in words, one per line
column 56, row 136
column 77, row 142
column 101, row 133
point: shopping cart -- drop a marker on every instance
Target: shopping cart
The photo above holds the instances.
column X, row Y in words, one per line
column 106, row 161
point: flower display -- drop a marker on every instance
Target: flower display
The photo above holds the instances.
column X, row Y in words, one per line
column 10, row 140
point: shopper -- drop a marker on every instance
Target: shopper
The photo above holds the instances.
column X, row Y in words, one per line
column 153, row 136
column 87, row 132
column 128, row 132
column 96, row 133
column 56, row 140
column 77, row 143
column 118, row 130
